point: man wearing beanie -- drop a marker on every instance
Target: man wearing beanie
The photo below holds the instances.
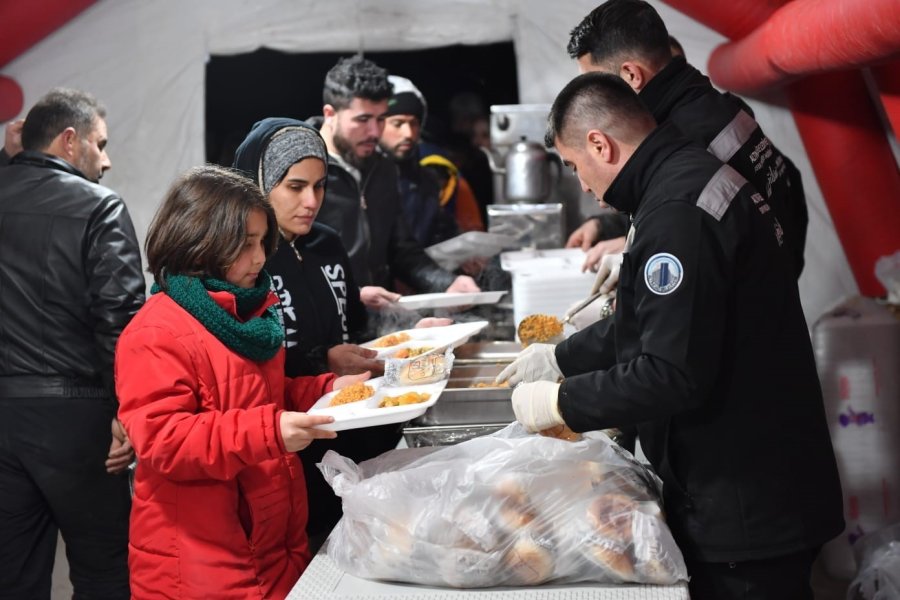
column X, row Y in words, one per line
column 429, row 183
column 362, row 200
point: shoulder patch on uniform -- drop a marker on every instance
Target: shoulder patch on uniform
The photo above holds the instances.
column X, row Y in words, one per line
column 663, row 273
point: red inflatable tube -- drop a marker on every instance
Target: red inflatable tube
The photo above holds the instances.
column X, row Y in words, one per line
column 734, row 19
column 11, row 98
column 854, row 166
column 887, row 78
column 805, row 37
column 840, row 126
column 24, row 23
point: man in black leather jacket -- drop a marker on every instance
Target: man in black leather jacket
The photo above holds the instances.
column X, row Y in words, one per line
column 362, row 198
column 629, row 39
column 70, row 280
column 707, row 353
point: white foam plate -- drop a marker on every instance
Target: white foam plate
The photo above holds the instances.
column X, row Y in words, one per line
column 453, row 252
column 444, row 300
column 435, row 337
column 366, row 413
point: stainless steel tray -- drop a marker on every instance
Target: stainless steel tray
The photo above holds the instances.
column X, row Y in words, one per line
column 486, row 352
column 463, row 406
column 447, row 435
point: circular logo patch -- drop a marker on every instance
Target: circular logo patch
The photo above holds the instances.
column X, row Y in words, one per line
column 663, row 273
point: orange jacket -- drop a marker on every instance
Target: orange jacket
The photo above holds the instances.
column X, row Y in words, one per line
column 219, row 506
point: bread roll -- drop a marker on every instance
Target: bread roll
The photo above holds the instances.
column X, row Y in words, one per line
column 528, row 562
column 514, row 509
column 615, row 560
column 464, row 568
column 561, row 432
column 611, row 516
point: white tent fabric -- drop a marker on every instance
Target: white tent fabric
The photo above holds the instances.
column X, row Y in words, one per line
column 146, row 62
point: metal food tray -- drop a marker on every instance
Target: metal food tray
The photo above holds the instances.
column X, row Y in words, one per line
column 446, row 435
column 487, row 352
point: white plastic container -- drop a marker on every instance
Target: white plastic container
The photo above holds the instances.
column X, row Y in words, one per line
column 857, row 348
column 546, row 282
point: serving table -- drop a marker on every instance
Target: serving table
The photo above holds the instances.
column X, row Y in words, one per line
column 323, row 580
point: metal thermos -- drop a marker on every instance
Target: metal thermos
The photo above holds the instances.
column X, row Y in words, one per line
column 528, row 172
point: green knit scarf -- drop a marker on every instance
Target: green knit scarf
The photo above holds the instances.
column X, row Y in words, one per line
column 258, row 338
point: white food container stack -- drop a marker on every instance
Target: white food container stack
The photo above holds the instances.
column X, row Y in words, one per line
column 546, row 281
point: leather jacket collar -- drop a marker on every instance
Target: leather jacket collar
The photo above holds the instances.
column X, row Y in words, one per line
column 35, row 158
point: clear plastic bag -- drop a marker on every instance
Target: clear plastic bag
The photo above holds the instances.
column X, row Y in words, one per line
column 511, row 508
column 878, row 556
column 429, row 367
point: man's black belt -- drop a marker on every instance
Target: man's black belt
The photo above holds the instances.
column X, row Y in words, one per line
column 37, row 386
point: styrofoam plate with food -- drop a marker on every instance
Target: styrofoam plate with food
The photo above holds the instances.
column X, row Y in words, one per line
column 372, row 403
column 425, row 337
column 449, row 299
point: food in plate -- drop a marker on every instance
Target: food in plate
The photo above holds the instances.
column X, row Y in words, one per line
column 352, row 393
column 411, row 352
column 403, row 399
column 391, row 339
column 539, row 329
column 489, row 384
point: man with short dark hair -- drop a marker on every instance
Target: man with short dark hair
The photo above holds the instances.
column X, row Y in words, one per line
column 707, row 353
column 629, row 39
column 362, row 200
column 70, row 280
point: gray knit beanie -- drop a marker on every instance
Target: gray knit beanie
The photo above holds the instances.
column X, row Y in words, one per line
column 286, row 147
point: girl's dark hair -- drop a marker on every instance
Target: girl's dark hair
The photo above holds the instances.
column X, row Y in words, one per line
column 201, row 226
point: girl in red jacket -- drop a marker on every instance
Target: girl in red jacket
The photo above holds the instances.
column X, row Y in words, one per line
column 219, row 505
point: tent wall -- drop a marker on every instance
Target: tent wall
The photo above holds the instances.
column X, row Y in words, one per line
column 146, row 62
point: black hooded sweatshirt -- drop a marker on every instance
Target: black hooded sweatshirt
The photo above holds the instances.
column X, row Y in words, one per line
column 321, row 308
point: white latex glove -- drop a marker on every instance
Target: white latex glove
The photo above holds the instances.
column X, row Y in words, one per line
column 608, row 274
column 593, row 256
column 537, row 405
column 537, row 362
column 591, row 313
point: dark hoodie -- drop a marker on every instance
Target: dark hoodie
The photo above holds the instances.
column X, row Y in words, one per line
column 322, row 309
column 368, row 216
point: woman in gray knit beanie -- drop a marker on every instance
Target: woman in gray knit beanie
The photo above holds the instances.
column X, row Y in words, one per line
column 288, row 160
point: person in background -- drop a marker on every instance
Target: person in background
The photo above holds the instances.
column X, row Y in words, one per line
column 219, row 498
column 324, row 318
column 628, row 38
column 436, row 202
column 362, row 199
column 750, row 484
column 469, row 135
column 70, row 281
column 12, row 141
column 430, row 220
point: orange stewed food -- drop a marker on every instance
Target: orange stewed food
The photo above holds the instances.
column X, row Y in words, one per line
column 403, row 399
column 391, row 340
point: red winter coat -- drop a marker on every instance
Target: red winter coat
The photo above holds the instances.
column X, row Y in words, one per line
column 219, row 506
